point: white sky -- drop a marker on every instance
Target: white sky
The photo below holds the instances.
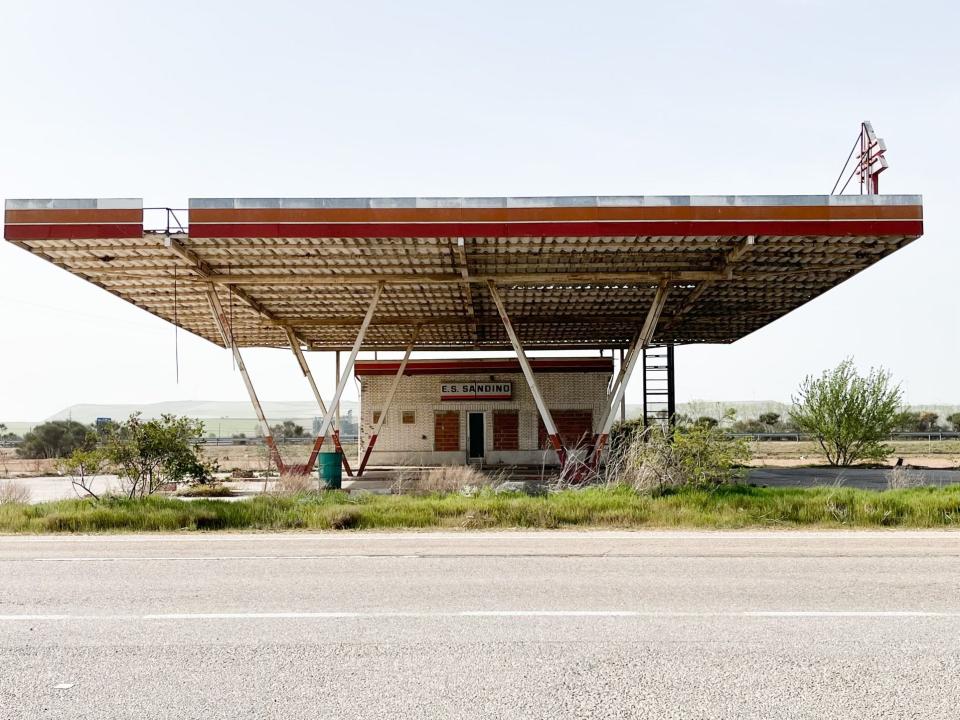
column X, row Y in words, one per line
column 168, row 100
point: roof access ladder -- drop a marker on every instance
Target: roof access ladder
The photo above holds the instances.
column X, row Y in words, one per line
column 659, row 395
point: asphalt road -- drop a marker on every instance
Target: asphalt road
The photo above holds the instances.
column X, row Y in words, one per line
column 862, row 478
column 497, row 625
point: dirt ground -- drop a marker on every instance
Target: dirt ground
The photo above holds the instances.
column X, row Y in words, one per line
column 919, row 453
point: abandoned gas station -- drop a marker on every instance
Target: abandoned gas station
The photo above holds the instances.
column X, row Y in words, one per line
column 625, row 277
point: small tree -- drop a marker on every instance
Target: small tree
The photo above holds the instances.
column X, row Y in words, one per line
column 850, row 415
column 56, row 439
column 6, row 434
column 83, row 467
column 288, row 429
column 151, row 453
column 750, row 426
column 770, row 419
column 954, row 421
column 928, row 421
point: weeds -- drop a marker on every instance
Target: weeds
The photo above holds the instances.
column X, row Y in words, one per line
column 13, row 492
column 899, row 478
column 205, row 490
column 288, row 485
column 651, row 459
column 715, row 507
column 464, row 479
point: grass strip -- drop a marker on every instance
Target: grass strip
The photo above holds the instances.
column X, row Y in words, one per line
column 722, row 507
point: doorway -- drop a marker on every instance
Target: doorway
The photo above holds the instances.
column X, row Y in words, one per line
column 475, row 439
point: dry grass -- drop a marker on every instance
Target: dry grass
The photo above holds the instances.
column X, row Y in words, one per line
column 289, row 485
column 13, row 492
column 205, row 490
column 787, row 453
column 901, row 478
column 463, row 479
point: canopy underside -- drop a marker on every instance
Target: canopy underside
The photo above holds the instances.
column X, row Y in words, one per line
column 573, row 272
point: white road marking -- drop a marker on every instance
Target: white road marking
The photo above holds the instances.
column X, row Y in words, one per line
column 205, row 558
column 374, row 615
column 851, row 613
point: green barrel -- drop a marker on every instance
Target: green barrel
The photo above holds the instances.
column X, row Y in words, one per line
column 330, row 469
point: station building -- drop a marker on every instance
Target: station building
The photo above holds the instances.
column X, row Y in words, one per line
column 449, row 412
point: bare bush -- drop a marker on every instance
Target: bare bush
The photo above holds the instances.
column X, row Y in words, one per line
column 693, row 455
column 577, row 471
column 447, row 479
column 13, row 492
column 900, row 478
column 289, row 484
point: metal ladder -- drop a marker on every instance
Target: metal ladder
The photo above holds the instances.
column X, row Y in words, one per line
column 659, row 397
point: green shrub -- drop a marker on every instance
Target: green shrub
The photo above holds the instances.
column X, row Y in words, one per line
column 57, row 439
column 694, row 454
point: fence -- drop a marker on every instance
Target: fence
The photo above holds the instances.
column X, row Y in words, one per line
column 797, row 437
column 257, row 440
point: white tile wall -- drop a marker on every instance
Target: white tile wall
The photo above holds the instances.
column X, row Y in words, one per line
column 421, row 393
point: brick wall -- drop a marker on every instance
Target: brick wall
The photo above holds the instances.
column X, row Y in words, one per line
column 575, row 427
column 506, row 430
column 446, row 431
column 401, row 443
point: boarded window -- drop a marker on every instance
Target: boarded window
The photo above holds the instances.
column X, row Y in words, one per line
column 408, row 417
column 446, row 431
column 376, row 417
column 575, row 428
column 506, row 430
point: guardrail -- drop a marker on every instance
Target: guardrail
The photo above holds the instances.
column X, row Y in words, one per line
column 257, row 440
column 797, row 437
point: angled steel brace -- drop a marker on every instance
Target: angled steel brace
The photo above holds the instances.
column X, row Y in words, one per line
column 335, row 432
column 386, row 405
column 344, row 377
column 528, row 374
column 644, row 337
column 226, row 332
column 619, row 380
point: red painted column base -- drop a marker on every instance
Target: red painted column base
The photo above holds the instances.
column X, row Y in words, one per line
column 366, row 455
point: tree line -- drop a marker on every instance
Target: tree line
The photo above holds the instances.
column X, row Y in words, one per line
column 906, row 421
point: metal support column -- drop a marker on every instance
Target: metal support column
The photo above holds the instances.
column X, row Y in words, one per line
column 226, row 332
column 386, row 405
column 336, row 410
column 545, row 415
column 335, row 432
column 342, row 382
column 623, row 400
column 618, row 381
column 643, row 340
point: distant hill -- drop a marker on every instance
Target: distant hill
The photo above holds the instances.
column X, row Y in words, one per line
column 219, row 417
column 202, row 409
